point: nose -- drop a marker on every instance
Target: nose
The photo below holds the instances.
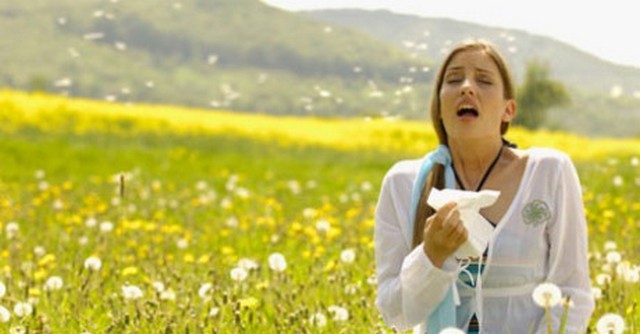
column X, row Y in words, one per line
column 467, row 87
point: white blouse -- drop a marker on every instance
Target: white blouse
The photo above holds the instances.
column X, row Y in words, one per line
column 541, row 238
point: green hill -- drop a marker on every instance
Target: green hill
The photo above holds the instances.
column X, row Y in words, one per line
column 591, row 80
column 238, row 54
column 243, row 55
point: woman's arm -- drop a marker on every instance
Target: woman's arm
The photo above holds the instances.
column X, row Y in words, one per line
column 410, row 287
column 568, row 243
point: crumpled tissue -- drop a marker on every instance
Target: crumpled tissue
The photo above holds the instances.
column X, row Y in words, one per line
column 469, row 205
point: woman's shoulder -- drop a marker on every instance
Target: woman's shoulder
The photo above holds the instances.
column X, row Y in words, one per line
column 544, row 156
column 403, row 171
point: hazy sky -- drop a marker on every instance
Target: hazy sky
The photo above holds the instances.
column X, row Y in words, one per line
column 608, row 29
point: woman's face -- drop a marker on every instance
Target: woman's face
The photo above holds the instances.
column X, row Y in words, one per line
column 472, row 102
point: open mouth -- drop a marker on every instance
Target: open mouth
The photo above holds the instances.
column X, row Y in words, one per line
column 467, row 111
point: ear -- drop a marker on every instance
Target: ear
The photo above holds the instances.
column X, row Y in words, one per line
column 509, row 111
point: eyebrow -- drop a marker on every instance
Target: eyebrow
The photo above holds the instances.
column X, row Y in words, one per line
column 479, row 69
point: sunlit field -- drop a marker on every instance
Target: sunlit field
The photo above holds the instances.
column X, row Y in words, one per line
column 151, row 219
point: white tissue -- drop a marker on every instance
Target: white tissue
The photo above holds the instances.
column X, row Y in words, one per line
column 469, row 205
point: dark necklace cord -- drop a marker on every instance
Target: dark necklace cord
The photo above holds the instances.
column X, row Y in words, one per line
column 486, row 174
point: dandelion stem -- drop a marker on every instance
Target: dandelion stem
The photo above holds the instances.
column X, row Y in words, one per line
column 547, row 314
column 565, row 315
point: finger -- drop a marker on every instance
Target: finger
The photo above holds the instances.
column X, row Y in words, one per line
column 452, row 219
column 444, row 211
column 461, row 232
column 462, row 236
column 454, row 228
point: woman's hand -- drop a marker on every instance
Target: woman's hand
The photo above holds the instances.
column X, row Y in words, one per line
column 443, row 234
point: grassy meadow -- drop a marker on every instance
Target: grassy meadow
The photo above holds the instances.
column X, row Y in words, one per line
column 232, row 222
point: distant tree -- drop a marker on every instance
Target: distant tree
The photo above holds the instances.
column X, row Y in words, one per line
column 537, row 94
column 38, row 83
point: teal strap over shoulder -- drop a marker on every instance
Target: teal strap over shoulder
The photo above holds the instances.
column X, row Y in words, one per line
column 445, row 314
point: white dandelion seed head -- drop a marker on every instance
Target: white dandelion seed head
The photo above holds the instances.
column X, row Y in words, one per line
column 201, row 185
column 93, row 263
column 39, row 251
column 158, row 286
column 83, row 240
column 547, row 295
column 226, row 203
column 603, row 279
column 120, row 46
column 5, row 315
column 247, row 264
column 213, row 312
column 451, row 330
column 366, row 186
column 182, row 243
column 610, row 245
column 351, row 289
column 212, row 59
column 567, row 301
column 635, row 161
column 232, row 222
column 3, row 289
column 338, row 313
column 613, row 257
column 238, row 274
column 106, row 227
column 348, row 256
column 17, row 329
column 616, row 91
column 277, row 262
column 372, row 280
column 131, row 292
column 343, row 198
column 231, row 182
column 596, row 293
column 91, row 222
column 40, row 174
column 630, row 274
column 12, row 230
column 294, row 187
column 53, row 283
column 57, row 205
column 43, row 185
column 168, row 295
column 33, row 300
column 63, row 82
column 22, row 309
column 318, row 320
column 323, row 226
column 205, row 291
column 610, row 323
column 309, row 213
column 618, row 181
column 243, row 193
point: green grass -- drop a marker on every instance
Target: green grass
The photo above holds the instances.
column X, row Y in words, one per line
column 163, row 207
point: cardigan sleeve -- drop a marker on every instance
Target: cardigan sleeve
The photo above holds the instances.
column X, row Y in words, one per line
column 410, row 287
column 568, row 244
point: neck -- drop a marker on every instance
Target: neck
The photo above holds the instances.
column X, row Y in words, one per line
column 473, row 157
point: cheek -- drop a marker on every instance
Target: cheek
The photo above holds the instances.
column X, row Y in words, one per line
column 446, row 99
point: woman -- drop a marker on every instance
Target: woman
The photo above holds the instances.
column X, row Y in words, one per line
column 540, row 228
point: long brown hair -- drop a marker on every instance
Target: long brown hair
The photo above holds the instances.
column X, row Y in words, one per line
column 436, row 176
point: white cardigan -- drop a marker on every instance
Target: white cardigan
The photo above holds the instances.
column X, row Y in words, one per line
column 541, row 238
